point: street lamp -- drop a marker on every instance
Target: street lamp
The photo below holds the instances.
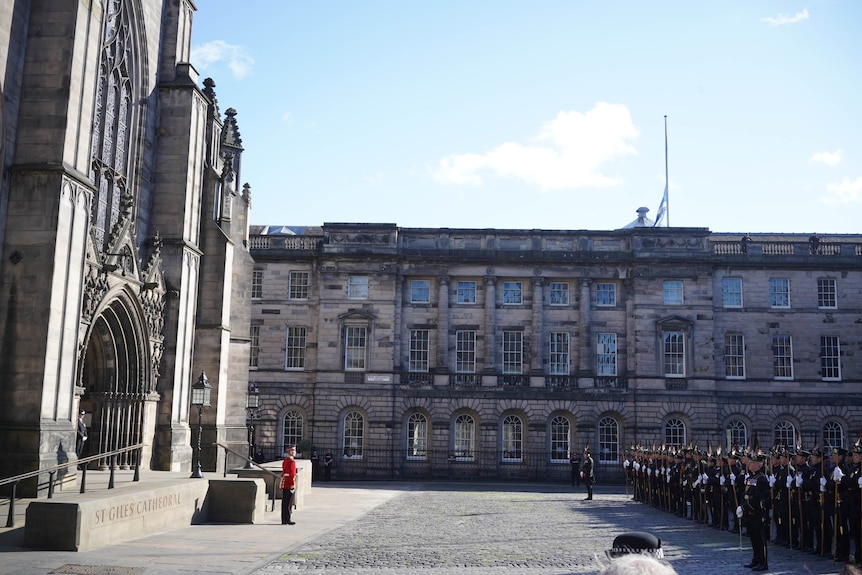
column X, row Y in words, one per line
column 201, row 392
column 252, row 403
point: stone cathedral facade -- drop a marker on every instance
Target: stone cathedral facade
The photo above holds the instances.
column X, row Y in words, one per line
column 450, row 353
column 124, row 253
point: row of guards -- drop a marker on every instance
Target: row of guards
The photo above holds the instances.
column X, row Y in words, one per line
column 810, row 500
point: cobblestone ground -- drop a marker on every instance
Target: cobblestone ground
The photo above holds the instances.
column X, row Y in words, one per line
column 481, row 529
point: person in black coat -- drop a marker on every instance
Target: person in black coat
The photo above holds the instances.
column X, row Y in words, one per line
column 576, row 470
column 588, row 474
column 754, row 511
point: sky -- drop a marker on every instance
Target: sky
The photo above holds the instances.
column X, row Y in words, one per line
column 547, row 114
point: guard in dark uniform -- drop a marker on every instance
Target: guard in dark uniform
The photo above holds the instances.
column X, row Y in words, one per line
column 754, row 511
column 838, row 488
column 588, row 474
column 781, row 470
column 854, row 504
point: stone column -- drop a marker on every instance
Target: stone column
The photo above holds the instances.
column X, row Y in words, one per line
column 490, row 318
column 584, row 332
column 538, row 323
column 443, row 323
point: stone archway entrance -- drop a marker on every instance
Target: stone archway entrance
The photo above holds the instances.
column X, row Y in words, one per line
column 116, row 378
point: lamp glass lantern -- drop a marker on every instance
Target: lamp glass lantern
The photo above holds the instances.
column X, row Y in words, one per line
column 201, row 394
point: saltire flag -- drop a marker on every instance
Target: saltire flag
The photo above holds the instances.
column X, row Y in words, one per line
column 662, row 209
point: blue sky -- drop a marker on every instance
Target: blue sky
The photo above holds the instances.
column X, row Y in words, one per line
column 545, row 114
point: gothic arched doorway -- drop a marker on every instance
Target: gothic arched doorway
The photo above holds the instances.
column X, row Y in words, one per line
column 116, row 380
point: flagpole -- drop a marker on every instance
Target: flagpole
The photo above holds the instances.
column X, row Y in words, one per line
column 666, row 181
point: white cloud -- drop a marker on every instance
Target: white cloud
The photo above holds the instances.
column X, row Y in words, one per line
column 784, row 20
column 847, row 192
column 567, row 153
column 236, row 57
column 828, row 158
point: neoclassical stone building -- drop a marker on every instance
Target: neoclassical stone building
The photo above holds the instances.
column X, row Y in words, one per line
column 123, row 255
column 499, row 353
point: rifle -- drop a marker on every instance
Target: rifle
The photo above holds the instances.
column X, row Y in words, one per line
column 822, row 511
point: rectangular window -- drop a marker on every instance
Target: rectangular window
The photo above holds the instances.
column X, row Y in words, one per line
column 826, row 294
column 511, row 293
column 465, row 351
column 513, row 351
column 354, row 348
column 606, row 355
column 779, row 292
column 257, row 284
column 254, row 346
column 782, row 357
column 357, row 287
column 672, row 292
column 731, row 292
column 418, row 350
column 674, row 354
column 560, row 439
column 295, row 348
column 830, row 358
column 558, row 293
column 559, row 350
column 297, row 285
column 420, row 291
column 466, row 292
column 464, row 438
column 734, row 356
column 606, row 294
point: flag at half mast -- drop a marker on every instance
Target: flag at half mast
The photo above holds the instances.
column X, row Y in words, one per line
column 662, row 209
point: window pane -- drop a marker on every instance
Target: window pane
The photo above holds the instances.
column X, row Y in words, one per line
column 354, row 430
column 465, row 351
column 833, row 435
column 513, row 351
column 785, row 434
column 779, row 292
column 674, row 433
column 560, row 437
column 417, row 436
column 731, row 292
column 830, row 358
column 672, row 292
column 357, row 287
column 736, row 434
column 734, row 355
column 606, row 355
column 511, row 292
column 418, row 350
column 464, row 437
column 466, row 292
column 606, row 294
column 559, row 350
column 674, row 354
column 354, row 348
column 296, row 336
column 609, row 440
column 782, row 357
column 420, row 291
column 512, row 438
column 254, row 346
column 257, row 284
column 826, row 294
column 292, row 428
column 298, row 285
column 558, row 293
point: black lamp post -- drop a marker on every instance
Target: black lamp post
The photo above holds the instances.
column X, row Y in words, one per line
column 201, row 392
column 252, row 403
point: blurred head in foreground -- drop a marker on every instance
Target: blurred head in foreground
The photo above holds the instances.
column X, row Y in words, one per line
column 637, row 564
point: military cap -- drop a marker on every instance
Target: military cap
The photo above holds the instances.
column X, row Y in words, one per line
column 803, row 452
column 838, row 451
column 636, row 542
column 816, row 452
column 857, row 448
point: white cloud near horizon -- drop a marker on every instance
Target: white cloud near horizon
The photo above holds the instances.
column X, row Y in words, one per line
column 847, row 192
column 784, row 20
column 567, row 152
column 236, row 57
column 828, row 158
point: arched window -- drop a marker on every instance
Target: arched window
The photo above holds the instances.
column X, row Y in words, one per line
column 560, row 434
column 512, row 439
column 737, row 434
column 292, row 424
column 113, row 121
column 464, row 437
column 785, row 434
column 609, row 440
column 354, row 434
column 674, row 432
column 833, row 434
column 417, row 436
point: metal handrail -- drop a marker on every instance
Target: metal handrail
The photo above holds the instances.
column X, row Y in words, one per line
column 14, row 480
column 255, row 464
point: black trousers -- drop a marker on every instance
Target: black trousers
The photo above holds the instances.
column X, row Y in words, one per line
column 286, row 505
column 758, row 528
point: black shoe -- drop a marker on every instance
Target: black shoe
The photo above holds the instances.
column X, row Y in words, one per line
column 750, row 565
column 842, row 559
column 761, row 567
column 291, row 522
